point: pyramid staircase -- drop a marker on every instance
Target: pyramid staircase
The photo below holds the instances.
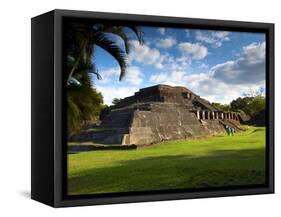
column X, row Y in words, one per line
column 231, row 124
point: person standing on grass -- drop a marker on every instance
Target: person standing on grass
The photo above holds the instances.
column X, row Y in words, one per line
column 227, row 129
column 232, row 131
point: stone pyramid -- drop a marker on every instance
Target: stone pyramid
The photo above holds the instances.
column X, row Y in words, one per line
column 160, row 113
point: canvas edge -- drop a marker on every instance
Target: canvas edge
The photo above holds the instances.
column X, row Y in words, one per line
column 42, row 170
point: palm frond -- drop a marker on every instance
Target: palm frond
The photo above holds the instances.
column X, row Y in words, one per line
column 113, row 49
column 120, row 31
column 139, row 33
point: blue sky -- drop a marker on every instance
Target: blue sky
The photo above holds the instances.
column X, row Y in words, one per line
column 217, row 65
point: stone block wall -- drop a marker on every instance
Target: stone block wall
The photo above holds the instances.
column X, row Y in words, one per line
column 166, row 122
column 159, row 93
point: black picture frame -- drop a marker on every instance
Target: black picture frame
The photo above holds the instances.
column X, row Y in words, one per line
column 48, row 163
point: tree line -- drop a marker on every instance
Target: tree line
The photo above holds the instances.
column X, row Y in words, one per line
column 249, row 105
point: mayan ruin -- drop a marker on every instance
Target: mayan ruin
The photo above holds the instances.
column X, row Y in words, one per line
column 160, row 113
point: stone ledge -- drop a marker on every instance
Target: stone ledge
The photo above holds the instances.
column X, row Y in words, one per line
column 72, row 149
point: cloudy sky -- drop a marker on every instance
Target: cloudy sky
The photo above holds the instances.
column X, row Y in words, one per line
column 217, row 65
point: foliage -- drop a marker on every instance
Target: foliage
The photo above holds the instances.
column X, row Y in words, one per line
column 83, row 37
column 115, row 101
column 210, row 162
column 240, row 103
column 84, row 102
column 223, row 107
column 250, row 105
column 241, row 111
column 257, row 105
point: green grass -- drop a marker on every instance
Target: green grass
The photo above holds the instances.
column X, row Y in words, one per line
column 210, row 162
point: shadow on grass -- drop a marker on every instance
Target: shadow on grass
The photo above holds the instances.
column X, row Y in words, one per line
column 217, row 169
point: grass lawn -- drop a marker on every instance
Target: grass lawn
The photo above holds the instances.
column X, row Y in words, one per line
column 210, row 162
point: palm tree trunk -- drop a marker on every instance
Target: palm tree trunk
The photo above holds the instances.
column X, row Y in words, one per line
column 73, row 69
column 75, row 65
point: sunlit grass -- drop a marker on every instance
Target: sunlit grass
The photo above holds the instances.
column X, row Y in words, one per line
column 208, row 162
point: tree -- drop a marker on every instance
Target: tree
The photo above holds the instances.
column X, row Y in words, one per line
column 240, row 103
column 84, row 102
column 256, row 105
column 223, row 107
column 249, row 105
column 115, row 101
column 82, row 38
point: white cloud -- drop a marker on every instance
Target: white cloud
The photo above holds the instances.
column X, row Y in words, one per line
column 194, row 51
column 205, row 85
column 133, row 75
column 223, row 82
column 145, row 54
column 203, row 66
column 174, row 78
column 218, row 91
column 216, row 38
column 110, row 92
column 221, row 34
column 162, row 30
column 158, row 78
column 254, row 52
column 109, row 74
column 247, row 69
column 166, row 42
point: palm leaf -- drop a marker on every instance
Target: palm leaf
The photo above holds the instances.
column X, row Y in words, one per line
column 113, row 49
column 139, row 33
column 120, row 31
